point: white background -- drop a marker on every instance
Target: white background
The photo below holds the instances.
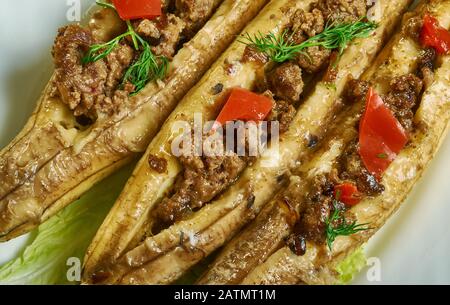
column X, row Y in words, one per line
column 413, row 247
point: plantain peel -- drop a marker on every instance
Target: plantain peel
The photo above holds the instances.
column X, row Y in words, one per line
column 126, row 252
column 318, row 264
column 54, row 160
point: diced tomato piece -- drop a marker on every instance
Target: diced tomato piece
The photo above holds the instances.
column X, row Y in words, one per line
column 435, row 36
column 381, row 136
column 347, row 193
column 245, row 105
column 137, row 9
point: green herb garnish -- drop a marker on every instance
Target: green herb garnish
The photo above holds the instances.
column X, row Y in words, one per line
column 146, row 68
column 343, row 229
column 331, row 86
column 280, row 49
column 100, row 51
column 382, row 156
column 105, row 4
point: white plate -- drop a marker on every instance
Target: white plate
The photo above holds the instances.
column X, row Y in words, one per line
column 412, row 248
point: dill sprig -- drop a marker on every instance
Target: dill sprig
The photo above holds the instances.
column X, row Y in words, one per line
column 146, row 68
column 105, row 4
column 280, row 49
column 344, row 228
column 100, row 51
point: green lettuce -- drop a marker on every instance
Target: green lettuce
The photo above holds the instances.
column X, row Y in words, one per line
column 63, row 236
column 351, row 266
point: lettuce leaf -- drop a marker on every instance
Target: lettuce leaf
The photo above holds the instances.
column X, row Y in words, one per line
column 63, row 236
column 351, row 266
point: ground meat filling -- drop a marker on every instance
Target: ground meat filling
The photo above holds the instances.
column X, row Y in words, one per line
column 402, row 98
column 314, row 211
column 283, row 113
column 253, row 55
column 351, row 168
column 315, row 59
column 164, row 33
column 286, row 82
column 342, row 10
column 183, row 18
column 356, row 90
column 203, row 178
column 157, row 164
column 305, row 25
column 89, row 89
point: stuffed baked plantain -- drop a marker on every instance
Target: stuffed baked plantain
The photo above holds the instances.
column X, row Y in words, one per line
column 115, row 82
column 362, row 172
column 175, row 211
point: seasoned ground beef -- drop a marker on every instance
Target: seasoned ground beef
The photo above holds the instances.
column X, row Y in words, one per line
column 89, row 88
column 164, row 33
column 167, row 32
column 352, row 168
column 342, row 10
column 148, row 29
column 356, row 91
column 403, row 97
column 117, row 62
column 203, row 179
column 316, row 59
column 286, row 82
column 107, row 105
column 284, row 113
column 314, row 211
column 306, row 25
column 253, row 55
